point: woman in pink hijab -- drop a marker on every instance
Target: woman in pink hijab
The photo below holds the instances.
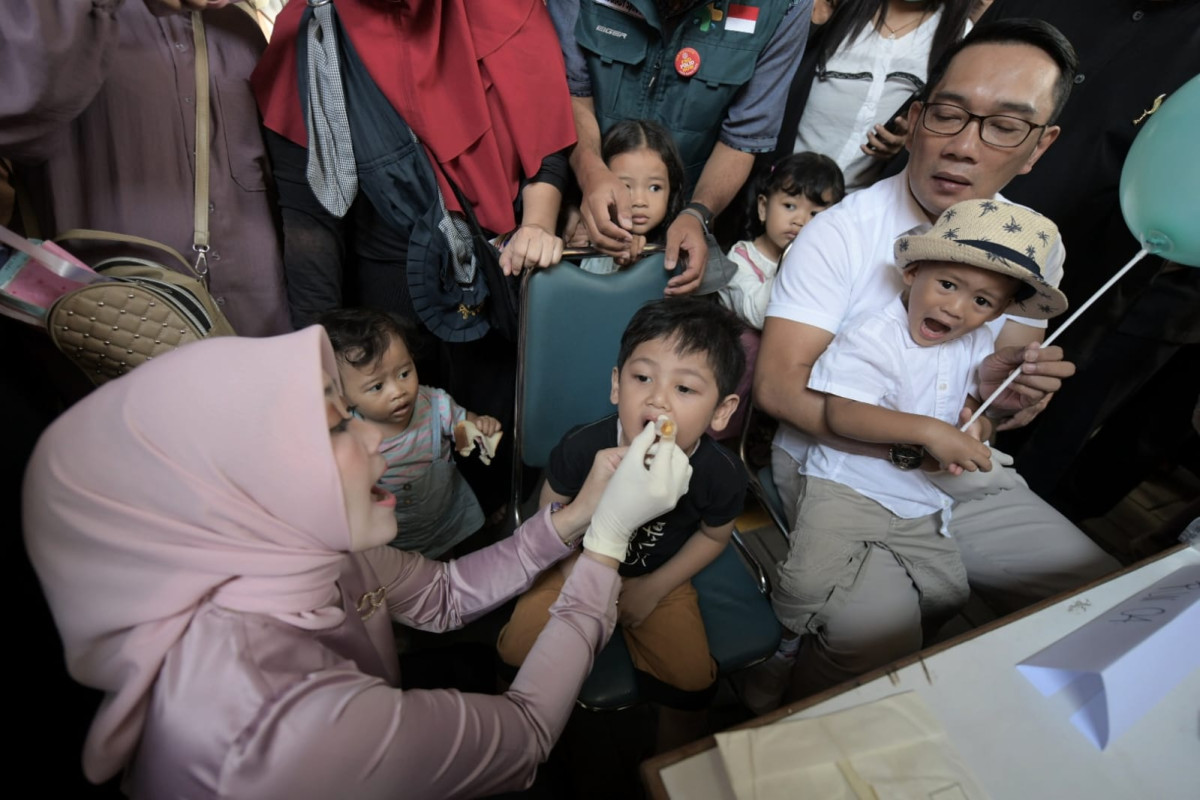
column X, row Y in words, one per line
column 219, row 573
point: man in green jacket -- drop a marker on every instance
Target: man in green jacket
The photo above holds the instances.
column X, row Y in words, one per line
column 714, row 73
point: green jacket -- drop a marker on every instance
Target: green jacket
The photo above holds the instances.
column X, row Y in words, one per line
column 631, row 59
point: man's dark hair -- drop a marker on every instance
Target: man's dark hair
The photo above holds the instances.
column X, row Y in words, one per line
column 697, row 326
column 360, row 336
column 1034, row 32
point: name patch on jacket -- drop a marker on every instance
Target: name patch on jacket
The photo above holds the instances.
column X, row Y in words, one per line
column 612, row 32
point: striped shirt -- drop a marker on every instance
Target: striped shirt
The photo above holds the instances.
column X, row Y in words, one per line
column 428, row 438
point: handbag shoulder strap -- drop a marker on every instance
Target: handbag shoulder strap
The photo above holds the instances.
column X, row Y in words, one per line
column 106, row 236
column 203, row 130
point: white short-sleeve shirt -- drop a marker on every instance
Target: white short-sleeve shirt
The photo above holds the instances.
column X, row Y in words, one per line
column 841, row 266
column 875, row 360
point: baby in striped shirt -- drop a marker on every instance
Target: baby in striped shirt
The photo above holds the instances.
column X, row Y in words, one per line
column 435, row 508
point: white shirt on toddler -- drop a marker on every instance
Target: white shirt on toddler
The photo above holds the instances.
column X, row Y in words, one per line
column 875, row 360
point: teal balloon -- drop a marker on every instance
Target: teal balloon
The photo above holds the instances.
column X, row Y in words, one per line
column 1160, row 181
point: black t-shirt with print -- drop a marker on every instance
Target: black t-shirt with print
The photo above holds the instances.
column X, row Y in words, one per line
column 715, row 494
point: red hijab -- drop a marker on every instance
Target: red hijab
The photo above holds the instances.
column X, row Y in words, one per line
column 487, row 95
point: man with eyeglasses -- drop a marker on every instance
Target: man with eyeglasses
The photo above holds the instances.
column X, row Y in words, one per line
column 988, row 116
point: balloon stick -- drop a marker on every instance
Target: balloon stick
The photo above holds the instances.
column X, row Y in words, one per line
column 1140, row 255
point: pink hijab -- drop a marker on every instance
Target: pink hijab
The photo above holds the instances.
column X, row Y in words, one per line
column 205, row 474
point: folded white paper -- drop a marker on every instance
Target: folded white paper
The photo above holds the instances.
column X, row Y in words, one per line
column 891, row 749
column 1118, row 666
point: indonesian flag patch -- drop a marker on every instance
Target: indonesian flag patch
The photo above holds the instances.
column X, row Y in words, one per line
column 741, row 19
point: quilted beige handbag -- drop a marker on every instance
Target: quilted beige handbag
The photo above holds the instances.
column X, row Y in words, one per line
column 108, row 328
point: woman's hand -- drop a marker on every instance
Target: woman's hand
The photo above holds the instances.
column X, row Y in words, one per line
column 576, row 515
column 530, row 246
column 882, row 143
column 636, row 495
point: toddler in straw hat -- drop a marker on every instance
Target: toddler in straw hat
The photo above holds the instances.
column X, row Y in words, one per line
column 901, row 376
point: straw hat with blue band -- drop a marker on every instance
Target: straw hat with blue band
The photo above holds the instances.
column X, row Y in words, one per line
column 999, row 237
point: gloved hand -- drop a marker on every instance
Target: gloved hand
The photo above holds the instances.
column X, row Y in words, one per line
column 974, row 485
column 636, row 495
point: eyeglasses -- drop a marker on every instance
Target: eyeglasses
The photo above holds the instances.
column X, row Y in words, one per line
column 999, row 130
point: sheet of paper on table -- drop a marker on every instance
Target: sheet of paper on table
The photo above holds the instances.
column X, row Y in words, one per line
column 1118, row 666
column 891, row 749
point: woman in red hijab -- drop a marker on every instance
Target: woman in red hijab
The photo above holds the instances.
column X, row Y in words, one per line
column 482, row 86
column 378, row 114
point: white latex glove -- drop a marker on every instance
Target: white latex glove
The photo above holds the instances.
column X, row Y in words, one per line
column 636, row 494
column 974, row 485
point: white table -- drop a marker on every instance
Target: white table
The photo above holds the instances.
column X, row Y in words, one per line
column 1018, row 743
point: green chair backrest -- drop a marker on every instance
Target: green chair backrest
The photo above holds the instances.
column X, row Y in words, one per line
column 571, row 325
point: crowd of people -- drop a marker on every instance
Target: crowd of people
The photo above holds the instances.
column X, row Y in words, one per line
column 850, row 199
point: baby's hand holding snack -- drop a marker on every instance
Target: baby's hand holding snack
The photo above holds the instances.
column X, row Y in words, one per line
column 488, row 426
column 470, row 435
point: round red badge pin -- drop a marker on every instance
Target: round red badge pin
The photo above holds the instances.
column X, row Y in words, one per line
column 687, row 62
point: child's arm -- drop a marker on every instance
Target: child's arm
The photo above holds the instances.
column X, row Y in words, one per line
column 641, row 595
column 488, row 426
column 549, row 496
column 754, row 306
column 983, row 428
column 747, row 295
column 954, row 450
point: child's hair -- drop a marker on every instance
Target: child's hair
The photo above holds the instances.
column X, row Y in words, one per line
column 807, row 174
column 697, row 326
column 634, row 134
column 360, row 336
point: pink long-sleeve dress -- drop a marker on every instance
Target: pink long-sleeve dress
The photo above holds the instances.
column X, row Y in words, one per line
column 247, row 705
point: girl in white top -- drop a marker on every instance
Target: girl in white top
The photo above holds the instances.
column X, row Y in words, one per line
column 796, row 189
column 874, row 55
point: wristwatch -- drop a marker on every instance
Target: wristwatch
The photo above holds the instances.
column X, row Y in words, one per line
column 700, row 212
column 906, row 456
